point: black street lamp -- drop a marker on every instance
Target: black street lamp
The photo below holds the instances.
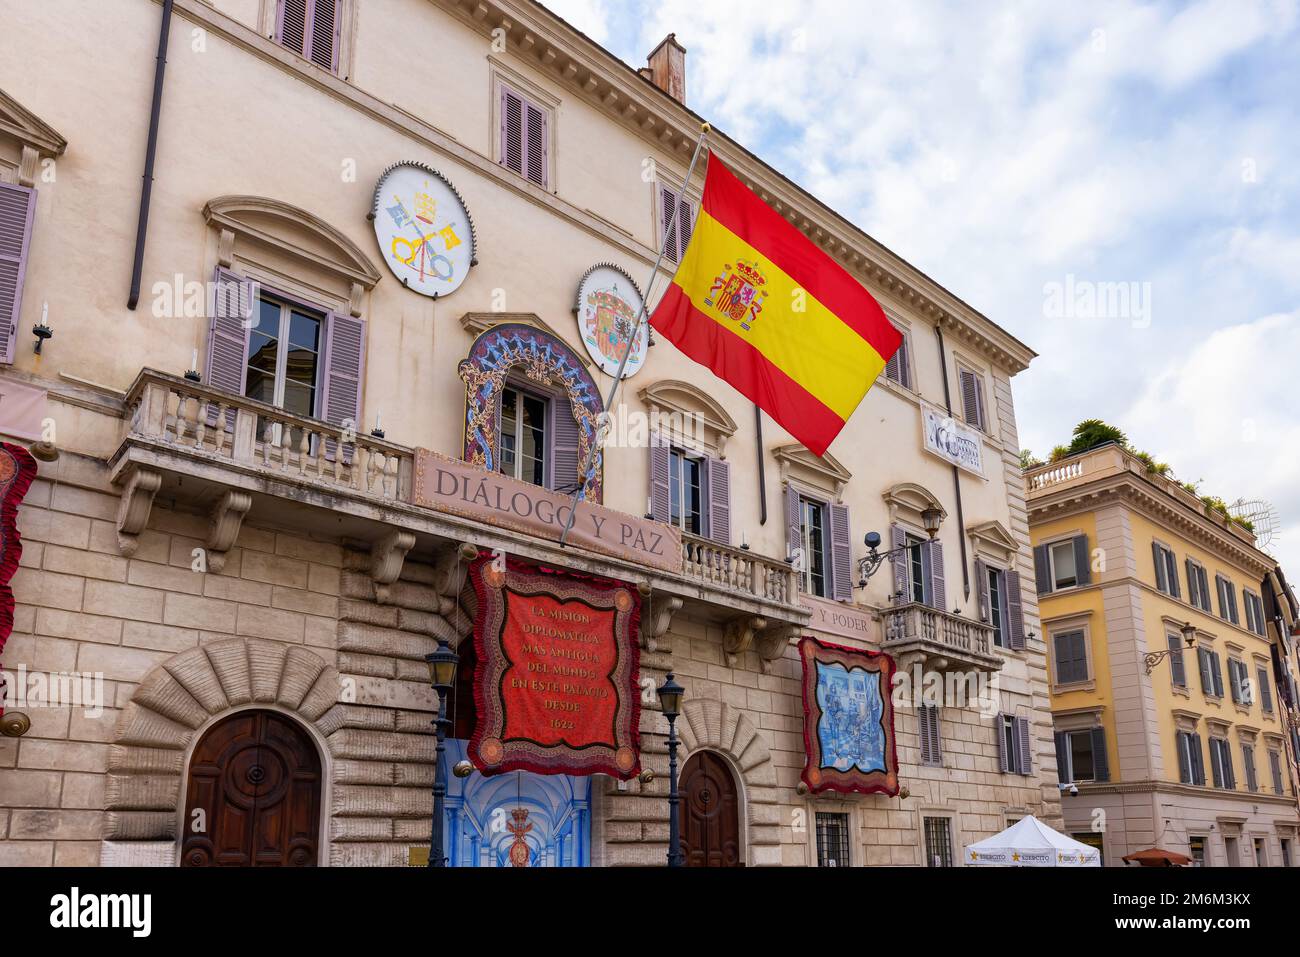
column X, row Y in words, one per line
column 442, row 669
column 670, row 700
column 1153, row 658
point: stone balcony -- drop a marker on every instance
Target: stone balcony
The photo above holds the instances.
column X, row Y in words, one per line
column 943, row 641
column 198, row 447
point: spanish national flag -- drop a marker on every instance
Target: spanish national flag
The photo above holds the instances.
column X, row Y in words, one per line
column 769, row 312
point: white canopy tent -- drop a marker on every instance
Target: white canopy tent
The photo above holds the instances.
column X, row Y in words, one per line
column 1031, row 843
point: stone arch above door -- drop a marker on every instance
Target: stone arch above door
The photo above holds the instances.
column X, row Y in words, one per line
column 709, row 724
column 146, row 764
column 541, row 358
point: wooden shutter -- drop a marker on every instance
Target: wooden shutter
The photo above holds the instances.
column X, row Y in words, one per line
column 1004, row 757
column 1177, row 669
column 1217, row 670
column 1203, row 662
column 291, row 25
column 718, row 476
column 1198, row 759
column 1100, row 761
column 1042, row 570
column 1223, row 602
column 1265, row 691
column 229, row 315
column 1082, row 560
column 969, row 400
column 898, row 539
column 1248, row 763
column 928, row 727
column 793, row 525
column 1025, row 765
column 669, row 204
column 1015, row 611
column 841, row 553
column 660, row 480
column 1275, row 766
column 310, row 28
column 982, row 590
column 1064, row 657
column 936, row 594
column 1171, row 570
column 1063, row 757
column 345, row 351
column 1185, row 757
column 17, row 210
column 1229, row 775
column 565, row 468
column 899, row 366
column 512, row 130
column 537, row 144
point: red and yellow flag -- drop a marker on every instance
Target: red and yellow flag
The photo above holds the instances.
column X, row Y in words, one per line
column 769, row 312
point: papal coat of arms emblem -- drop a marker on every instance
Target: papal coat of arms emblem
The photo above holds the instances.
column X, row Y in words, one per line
column 738, row 293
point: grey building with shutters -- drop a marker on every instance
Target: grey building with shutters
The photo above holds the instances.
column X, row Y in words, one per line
column 1173, row 704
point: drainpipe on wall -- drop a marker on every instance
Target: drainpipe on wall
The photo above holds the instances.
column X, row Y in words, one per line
column 151, row 149
column 956, row 474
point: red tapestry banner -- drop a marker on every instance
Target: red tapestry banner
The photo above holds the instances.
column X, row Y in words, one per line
column 557, row 684
column 17, row 469
column 848, row 719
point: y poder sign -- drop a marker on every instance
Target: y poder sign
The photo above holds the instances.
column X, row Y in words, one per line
column 556, row 681
column 450, row 485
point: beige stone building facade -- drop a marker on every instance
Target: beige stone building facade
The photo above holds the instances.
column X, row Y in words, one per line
column 1172, row 666
column 203, row 553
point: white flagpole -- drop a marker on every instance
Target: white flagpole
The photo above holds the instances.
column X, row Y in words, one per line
column 583, row 474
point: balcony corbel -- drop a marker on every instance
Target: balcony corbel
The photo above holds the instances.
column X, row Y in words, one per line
column 656, row 617
column 227, row 519
column 771, row 644
column 386, row 558
column 739, row 636
column 134, row 507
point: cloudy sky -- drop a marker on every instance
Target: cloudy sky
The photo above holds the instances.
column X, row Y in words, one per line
column 1026, row 153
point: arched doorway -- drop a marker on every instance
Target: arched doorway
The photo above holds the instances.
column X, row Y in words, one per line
column 710, row 812
column 253, row 796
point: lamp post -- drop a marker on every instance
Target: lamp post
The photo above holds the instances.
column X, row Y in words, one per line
column 670, row 700
column 1153, row 658
column 442, row 670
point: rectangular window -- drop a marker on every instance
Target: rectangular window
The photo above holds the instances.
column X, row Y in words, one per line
column 310, row 29
column 1221, row 764
column 1014, row 744
column 938, row 842
column 832, row 840
column 1196, row 850
column 1286, row 851
column 1254, row 612
column 898, row 368
column 1227, row 599
column 1275, row 769
column 523, row 435
column 1081, row 759
column 1198, row 589
column 1065, row 571
column 284, row 359
column 997, row 610
column 685, row 491
column 524, row 147
column 1177, row 667
column 1191, row 762
column 972, row 397
column 1166, row 568
column 1238, row 687
column 1211, row 676
column 674, row 230
column 1248, row 762
column 813, row 532
column 1071, row 649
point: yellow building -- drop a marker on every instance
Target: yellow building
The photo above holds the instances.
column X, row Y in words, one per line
column 1170, row 666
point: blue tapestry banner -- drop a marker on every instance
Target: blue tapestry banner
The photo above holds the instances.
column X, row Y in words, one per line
column 848, row 719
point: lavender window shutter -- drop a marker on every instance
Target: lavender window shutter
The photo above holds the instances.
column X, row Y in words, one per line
column 291, row 25
column 512, row 131
column 667, row 203
column 323, row 19
column 660, row 488
column 535, row 136
column 841, row 554
column 230, row 311
column 1015, row 612
column 1042, row 570
column 1026, row 764
column 719, row 500
column 969, row 407
column 905, row 360
column 17, row 208
column 982, row 588
column 684, row 224
column 345, row 349
column 565, row 466
column 793, row 524
column 897, row 539
column 937, row 592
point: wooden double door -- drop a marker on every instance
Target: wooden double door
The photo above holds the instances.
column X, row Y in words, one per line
column 710, row 812
column 254, row 795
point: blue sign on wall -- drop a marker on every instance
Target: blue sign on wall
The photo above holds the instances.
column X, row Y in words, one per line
column 497, row 821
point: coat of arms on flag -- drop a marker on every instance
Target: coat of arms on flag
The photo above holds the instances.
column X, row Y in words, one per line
column 738, row 293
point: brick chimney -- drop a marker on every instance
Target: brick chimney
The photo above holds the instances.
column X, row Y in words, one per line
column 667, row 68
